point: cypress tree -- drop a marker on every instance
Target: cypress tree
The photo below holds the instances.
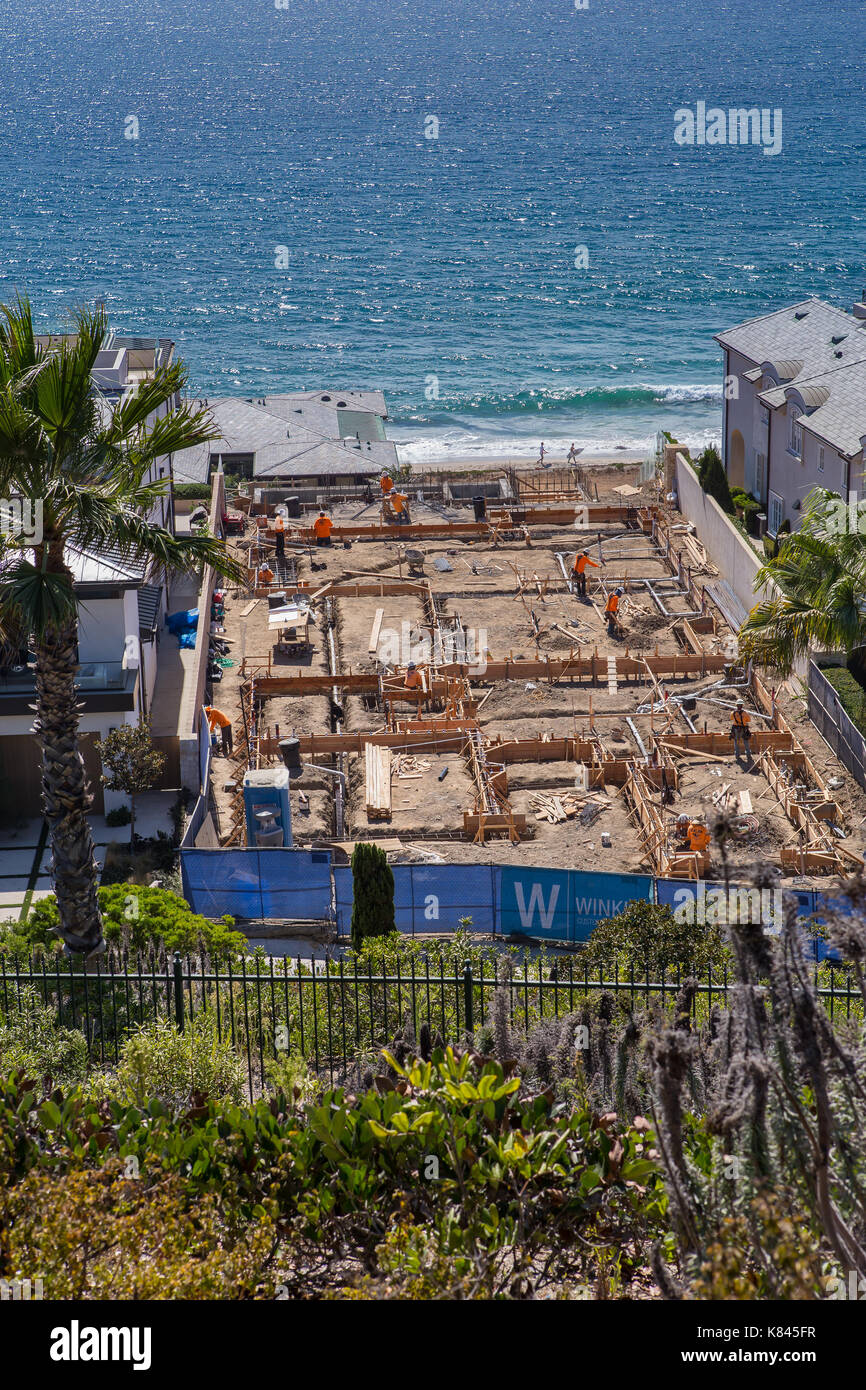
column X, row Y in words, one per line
column 373, row 887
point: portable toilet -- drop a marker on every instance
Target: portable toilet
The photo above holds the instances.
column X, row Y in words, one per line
column 267, row 807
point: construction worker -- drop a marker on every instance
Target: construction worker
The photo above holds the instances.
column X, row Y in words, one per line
column 217, row 720
column 386, row 482
column 698, row 837
column 400, row 506
column 266, row 574
column 578, row 571
column 322, row 528
column 412, row 679
column 740, row 731
column 280, row 532
column 611, row 610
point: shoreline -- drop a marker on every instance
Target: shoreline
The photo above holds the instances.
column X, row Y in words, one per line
column 484, row 463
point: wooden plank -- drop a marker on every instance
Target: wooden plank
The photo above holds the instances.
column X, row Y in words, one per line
column 373, row 645
column 745, row 803
column 245, row 612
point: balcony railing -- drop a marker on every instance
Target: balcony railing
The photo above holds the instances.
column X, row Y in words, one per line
column 92, row 675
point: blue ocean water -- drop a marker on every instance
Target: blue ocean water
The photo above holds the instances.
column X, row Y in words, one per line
column 441, row 270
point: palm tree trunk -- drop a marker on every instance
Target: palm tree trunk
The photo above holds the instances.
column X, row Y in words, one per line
column 65, row 795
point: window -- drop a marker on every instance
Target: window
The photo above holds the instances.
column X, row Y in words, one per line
column 760, row 475
column 776, row 514
column 795, row 436
column 820, row 460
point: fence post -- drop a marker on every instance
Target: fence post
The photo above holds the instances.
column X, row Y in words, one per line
column 178, row 992
column 467, row 998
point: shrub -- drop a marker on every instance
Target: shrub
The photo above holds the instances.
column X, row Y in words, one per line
column 30, row 1038
column 713, row 479
column 109, row 1235
column 192, row 492
column 159, row 1062
column 138, row 919
column 652, row 937
column 121, row 815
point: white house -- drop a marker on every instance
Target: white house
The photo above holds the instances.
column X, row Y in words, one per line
column 795, row 406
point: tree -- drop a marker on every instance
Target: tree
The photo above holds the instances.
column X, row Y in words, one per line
column 132, row 762
column 817, row 582
column 714, row 480
column 648, row 935
column 88, row 464
column 373, row 886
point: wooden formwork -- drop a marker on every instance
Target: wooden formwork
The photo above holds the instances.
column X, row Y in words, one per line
column 666, row 860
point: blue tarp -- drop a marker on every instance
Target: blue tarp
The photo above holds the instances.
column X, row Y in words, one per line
column 283, row 884
column 185, row 620
column 430, row 898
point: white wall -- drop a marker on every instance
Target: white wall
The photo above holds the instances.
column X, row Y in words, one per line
column 732, row 555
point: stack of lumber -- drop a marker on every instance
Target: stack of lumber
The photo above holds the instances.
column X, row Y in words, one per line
column 378, row 771
column 556, row 808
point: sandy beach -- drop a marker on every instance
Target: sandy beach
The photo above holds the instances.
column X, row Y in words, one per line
column 482, row 463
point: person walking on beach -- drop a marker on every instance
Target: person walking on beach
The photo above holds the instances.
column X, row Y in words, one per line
column 541, row 462
column 581, row 563
column 572, row 454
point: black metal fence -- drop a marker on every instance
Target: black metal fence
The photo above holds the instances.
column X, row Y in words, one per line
column 829, row 717
column 334, row 1014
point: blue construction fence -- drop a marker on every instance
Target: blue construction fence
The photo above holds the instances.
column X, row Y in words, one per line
column 291, row 885
column 561, row 905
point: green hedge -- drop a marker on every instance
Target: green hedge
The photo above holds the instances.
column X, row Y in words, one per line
column 852, row 695
column 192, row 492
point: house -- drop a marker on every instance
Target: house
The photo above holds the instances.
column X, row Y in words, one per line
column 312, row 439
column 795, row 406
column 121, row 608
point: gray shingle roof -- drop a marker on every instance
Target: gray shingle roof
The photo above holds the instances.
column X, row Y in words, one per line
column 820, row 351
column 300, row 434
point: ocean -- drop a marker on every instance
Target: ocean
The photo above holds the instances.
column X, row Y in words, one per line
column 478, row 208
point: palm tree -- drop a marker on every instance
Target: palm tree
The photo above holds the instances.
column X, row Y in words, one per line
column 817, row 585
column 89, row 469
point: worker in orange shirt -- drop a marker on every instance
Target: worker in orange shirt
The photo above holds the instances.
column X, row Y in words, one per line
column 266, row 574
column 412, row 679
column 217, row 720
column 322, row 528
column 578, row 571
column 698, row 837
column 386, row 482
column 740, row 731
column 280, row 532
column 400, row 504
column 611, row 611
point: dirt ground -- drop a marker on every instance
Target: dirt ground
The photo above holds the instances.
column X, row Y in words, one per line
column 513, row 602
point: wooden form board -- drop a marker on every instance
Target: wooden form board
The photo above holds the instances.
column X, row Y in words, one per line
column 573, row 670
column 376, row 629
column 378, row 775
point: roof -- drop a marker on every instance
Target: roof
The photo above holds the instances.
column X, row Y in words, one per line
column 300, row 434
column 108, row 566
column 817, row 352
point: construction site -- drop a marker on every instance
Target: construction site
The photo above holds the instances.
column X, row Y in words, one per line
column 456, row 698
